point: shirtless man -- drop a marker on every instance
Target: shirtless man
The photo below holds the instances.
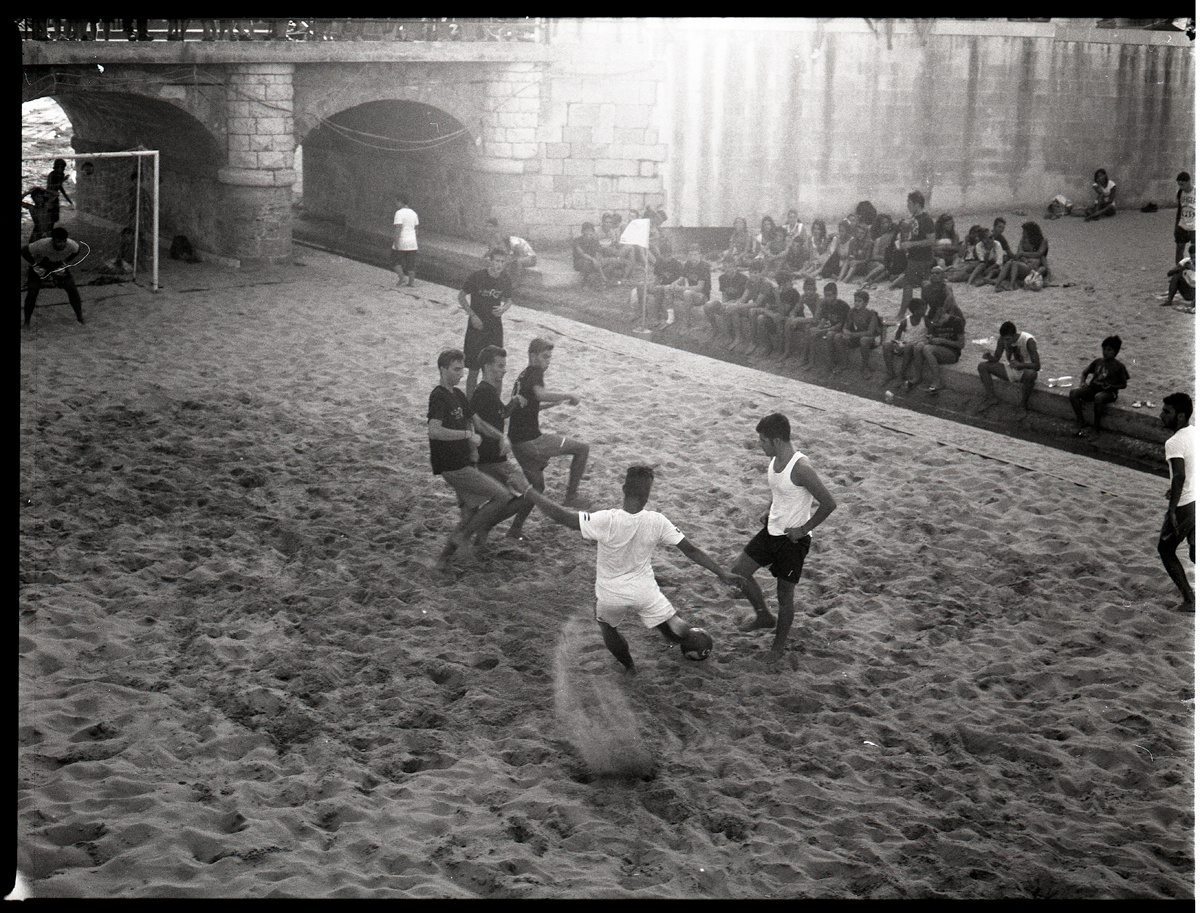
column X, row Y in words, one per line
column 625, row 584
column 799, row 504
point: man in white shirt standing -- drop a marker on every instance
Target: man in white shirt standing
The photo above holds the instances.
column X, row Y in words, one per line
column 625, row 584
column 404, row 242
column 799, row 504
column 1180, row 522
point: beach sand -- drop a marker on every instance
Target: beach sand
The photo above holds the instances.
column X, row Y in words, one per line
column 240, row 676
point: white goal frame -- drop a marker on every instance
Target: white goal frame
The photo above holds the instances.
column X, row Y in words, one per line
column 139, row 155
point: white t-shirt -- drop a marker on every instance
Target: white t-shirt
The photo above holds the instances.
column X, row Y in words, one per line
column 625, row 543
column 1181, row 446
column 408, row 222
column 520, row 247
column 1187, row 211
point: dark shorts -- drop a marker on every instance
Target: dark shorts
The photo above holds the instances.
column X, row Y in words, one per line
column 1185, row 517
column 1182, row 235
column 916, row 272
column 475, row 341
column 779, row 554
column 405, row 259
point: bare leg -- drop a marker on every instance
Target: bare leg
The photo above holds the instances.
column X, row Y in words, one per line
column 745, row 567
column 1167, row 543
column 785, row 590
column 617, row 645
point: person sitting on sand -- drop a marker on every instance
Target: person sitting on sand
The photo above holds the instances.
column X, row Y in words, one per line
column 830, row 321
column 493, row 453
column 625, row 584
column 1020, row 365
column 533, row 449
column 740, row 251
column 1180, row 522
column 660, row 296
column 988, row 259
column 947, row 334
column 799, row 504
column 1183, row 279
column 910, row 334
column 760, row 293
column 796, row 326
column 585, row 255
column 1030, row 257
column 455, row 433
column 883, row 234
column 770, row 321
column 693, row 295
column 731, row 286
column 1105, row 190
column 1099, row 384
column 862, row 332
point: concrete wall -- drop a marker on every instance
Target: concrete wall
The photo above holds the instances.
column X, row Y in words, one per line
column 977, row 115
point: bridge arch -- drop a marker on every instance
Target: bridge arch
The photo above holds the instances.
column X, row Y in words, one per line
column 355, row 161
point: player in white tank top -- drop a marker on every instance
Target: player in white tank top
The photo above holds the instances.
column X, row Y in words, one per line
column 799, row 503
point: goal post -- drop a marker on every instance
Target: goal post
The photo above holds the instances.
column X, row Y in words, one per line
column 114, row 208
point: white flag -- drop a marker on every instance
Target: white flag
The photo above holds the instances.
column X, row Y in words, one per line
column 637, row 233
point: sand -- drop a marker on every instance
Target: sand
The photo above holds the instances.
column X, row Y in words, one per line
column 239, row 675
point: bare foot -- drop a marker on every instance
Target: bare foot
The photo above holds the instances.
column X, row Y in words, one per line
column 986, row 405
column 774, row 655
column 765, row 622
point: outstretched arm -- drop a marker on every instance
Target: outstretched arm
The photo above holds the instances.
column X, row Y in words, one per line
column 556, row 512
column 700, row 557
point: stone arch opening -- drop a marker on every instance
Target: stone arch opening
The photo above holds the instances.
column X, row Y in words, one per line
column 189, row 157
column 354, row 163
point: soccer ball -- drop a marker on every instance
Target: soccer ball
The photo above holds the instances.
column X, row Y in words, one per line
column 696, row 644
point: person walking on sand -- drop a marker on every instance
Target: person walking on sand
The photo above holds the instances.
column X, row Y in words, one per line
column 1180, row 522
column 485, row 296
column 404, row 242
column 625, row 584
column 1185, row 214
column 1021, row 365
column 533, row 449
column 455, row 434
column 800, row 503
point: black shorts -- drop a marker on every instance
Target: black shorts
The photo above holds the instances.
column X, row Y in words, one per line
column 405, row 259
column 916, row 272
column 779, row 554
column 1182, row 235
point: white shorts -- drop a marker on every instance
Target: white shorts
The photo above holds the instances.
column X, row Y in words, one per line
column 651, row 614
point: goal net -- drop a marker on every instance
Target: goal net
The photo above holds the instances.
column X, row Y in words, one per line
column 113, row 209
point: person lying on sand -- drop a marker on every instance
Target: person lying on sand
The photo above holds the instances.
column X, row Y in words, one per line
column 786, row 535
column 625, row 584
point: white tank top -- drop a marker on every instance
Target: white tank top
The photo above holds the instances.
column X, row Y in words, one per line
column 791, row 504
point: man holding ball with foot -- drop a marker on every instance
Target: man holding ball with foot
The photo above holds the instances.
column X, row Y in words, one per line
column 625, row 584
column 783, row 542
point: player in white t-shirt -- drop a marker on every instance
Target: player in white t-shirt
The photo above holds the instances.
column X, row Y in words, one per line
column 1180, row 522
column 404, row 241
column 626, row 539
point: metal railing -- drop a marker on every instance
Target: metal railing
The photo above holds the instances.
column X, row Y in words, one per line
column 522, row 29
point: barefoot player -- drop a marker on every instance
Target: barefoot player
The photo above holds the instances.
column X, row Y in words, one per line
column 625, row 584
column 454, row 433
column 786, row 534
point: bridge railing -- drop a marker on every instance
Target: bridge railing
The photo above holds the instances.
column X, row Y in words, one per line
column 443, row 29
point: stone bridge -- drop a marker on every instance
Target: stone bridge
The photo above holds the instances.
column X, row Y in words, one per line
column 709, row 118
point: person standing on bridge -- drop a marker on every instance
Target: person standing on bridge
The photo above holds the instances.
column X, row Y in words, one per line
column 404, row 242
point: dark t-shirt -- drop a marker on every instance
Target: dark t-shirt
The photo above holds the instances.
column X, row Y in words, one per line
column 859, row 320
column 699, row 276
column 485, row 402
column 789, row 302
column 523, row 423
column 812, row 301
column 487, row 293
column 451, row 408
column 1107, row 376
column 834, row 313
column 923, row 231
column 732, row 285
column 667, row 270
column 950, row 324
column 588, row 244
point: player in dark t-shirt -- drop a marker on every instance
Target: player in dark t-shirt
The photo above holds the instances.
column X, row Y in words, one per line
column 485, row 296
column 451, row 408
column 917, row 243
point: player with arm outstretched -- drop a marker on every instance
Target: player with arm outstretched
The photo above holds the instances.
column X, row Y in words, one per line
column 625, row 584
